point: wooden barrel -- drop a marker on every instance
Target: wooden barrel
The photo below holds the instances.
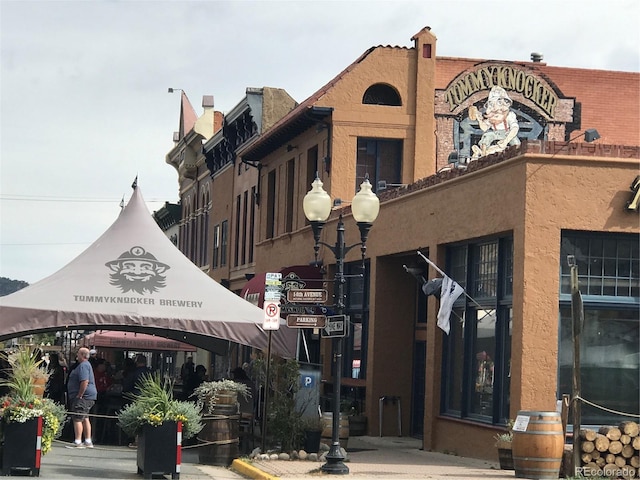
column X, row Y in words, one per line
column 327, row 429
column 219, row 437
column 537, row 452
column 226, row 397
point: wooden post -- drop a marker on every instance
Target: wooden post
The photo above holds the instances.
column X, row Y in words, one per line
column 564, row 412
column 577, row 320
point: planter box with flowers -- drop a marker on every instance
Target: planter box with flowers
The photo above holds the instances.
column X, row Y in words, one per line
column 160, row 423
column 29, row 423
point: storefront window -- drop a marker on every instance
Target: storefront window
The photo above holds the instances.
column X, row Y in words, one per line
column 609, row 363
column 454, row 363
column 484, row 363
column 609, row 280
column 477, row 352
column 357, row 307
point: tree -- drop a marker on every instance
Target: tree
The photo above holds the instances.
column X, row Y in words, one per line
column 8, row 286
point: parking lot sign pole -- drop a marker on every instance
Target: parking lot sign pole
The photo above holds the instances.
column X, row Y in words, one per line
column 273, row 288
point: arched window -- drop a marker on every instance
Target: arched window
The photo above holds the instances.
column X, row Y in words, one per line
column 382, row 94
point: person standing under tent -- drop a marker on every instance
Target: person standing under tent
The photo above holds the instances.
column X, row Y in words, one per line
column 82, row 392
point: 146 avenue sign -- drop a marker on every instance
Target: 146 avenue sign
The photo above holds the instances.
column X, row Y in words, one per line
column 307, row 295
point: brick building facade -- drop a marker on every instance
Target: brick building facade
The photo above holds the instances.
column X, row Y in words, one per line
column 499, row 217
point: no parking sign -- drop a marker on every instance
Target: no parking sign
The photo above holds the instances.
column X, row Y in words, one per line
column 271, row 316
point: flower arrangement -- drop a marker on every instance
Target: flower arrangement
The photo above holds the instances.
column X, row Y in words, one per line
column 503, row 440
column 207, row 393
column 22, row 403
column 53, row 416
column 155, row 405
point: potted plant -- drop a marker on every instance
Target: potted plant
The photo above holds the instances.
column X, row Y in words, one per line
column 218, row 401
column 27, row 419
column 219, row 392
column 284, row 418
column 312, row 428
column 160, row 423
column 503, row 444
column 357, row 419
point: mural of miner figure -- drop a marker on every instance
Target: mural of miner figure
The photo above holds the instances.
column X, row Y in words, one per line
column 498, row 122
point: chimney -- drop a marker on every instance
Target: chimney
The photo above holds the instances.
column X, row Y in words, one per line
column 207, row 101
column 536, row 57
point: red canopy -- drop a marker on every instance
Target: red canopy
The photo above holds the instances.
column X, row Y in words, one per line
column 134, row 341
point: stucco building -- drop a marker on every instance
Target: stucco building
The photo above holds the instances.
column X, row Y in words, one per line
column 489, row 169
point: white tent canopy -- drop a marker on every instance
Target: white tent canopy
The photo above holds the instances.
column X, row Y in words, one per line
column 133, row 278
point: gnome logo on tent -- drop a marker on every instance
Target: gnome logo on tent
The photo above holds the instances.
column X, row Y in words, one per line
column 137, row 270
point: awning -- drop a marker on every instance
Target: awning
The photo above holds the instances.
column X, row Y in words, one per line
column 133, row 341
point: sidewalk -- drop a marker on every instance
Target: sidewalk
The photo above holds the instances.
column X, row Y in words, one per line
column 376, row 458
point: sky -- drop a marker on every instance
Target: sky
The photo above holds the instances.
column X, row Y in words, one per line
column 84, row 106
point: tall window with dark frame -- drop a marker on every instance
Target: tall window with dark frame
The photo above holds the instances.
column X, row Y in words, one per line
column 312, row 170
column 378, row 159
column 224, row 240
column 252, row 224
column 193, row 248
column 291, row 185
column 184, row 229
column 200, row 245
column 271, row 205
column 204, row 228
column 476, row 372
column 609, row 281
column 236, row 247
column 205, row 235
column 245, row 203
column 357, row 307
column 216, row 245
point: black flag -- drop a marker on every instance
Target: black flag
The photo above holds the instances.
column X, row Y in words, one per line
column 433, row 287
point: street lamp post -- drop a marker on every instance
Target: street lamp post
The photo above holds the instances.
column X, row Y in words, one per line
column 317, row 208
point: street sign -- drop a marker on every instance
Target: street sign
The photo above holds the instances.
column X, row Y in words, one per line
column 272, row 295
column 306, row 321
column 272, row 287
column 307, row 295
column 271, row 316
column 336, row 326
column 271, row 278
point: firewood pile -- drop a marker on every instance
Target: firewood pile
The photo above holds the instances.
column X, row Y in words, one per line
column 612, row 451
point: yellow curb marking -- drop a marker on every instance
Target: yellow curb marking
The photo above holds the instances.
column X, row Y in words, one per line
column 250, row 471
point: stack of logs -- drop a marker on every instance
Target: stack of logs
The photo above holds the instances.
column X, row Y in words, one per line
column 612, row 449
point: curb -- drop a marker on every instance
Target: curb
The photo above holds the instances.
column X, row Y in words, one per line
column 250, row 471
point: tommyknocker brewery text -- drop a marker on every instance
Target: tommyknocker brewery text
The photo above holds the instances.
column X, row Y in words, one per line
column 504, row 76
column 163, row 302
